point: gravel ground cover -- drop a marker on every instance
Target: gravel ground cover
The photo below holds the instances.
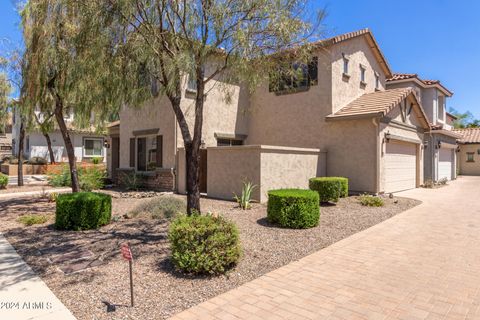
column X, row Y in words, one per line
column 160, row 291
column 33, row 186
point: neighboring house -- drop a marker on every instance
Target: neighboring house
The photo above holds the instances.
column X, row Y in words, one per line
column 339, row 120
column 87, row 143
column 469, row 151
column 440, row 142
column 6, row 139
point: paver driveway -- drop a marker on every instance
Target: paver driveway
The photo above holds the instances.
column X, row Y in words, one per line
column 421, row 264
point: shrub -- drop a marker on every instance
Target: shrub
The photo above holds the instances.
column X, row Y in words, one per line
column 160, row 208
column 428, row 184
column 14, row 160
column 96, row 160
column 37, row 160
column 246, row 198
column 83, row 211
column 3, row 181
column 293, row 208
column 329, row 188
column 443, row 181
column 344, row 186
column 204, row 244
column 131, row 180
column 371, row 201
column 31, row 219
column 90, row 177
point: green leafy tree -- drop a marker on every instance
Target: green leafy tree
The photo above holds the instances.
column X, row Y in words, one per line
column 69, row 66
column 464, row 120
column 163, row 42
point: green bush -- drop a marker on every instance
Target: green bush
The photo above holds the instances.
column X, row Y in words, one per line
column 14, row 160
column 160, row 208
column 90, row 178
column 3, row 181
column 37, row 160
column 344, row 186
column 293, row 208
column 31, row 219
column 204, row 244
column 83, row 211
column 97, row 160
column 329, row 189
column 371, row 201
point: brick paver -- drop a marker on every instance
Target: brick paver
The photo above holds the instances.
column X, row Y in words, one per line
column 421, row 264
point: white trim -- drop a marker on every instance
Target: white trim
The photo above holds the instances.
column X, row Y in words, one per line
column 102, row 140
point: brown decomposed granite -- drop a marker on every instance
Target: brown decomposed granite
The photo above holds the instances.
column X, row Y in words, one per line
column 160, row 291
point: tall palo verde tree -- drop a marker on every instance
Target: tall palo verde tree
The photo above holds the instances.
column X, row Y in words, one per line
column 164, row 42
column 69, row 66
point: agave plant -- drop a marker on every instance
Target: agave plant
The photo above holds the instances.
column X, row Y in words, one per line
column 245, row 199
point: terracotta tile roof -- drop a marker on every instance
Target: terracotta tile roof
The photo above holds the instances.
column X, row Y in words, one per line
column 470, row 135
column 426, row 82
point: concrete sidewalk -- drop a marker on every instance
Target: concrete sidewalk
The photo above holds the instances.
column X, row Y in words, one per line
column 28, row 194
column 421, row 264
column 23, row 295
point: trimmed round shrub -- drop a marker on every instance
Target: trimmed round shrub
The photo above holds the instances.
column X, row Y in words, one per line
column 293, row 208
column 83, row 211
column 3, row 181
column 37, row 160
column 14, row 160
column 344, row 186
column 204, row 244
column 329, row 189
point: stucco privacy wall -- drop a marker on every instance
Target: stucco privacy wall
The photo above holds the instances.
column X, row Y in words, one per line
column 469, row 168
column 268, row 167
column 347, row 89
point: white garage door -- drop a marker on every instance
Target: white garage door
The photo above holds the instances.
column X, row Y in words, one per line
column 400, row 166
column 445, row 164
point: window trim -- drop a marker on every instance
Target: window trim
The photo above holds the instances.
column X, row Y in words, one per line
column 230, row 140
column 346, row 66
column 146, row 136
column 377, row 81
column 101, row 139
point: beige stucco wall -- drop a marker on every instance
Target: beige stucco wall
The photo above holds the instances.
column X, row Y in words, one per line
column 345, row 90
column 268, row 167
column 469, row 168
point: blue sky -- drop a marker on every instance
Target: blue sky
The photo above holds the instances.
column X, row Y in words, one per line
column 438, row 39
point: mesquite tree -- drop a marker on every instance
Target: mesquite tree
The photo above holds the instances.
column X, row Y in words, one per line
column 68, row 66
column 240, row 41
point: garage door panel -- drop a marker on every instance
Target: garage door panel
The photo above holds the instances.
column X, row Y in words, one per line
column 400, row 166
column 445, row 164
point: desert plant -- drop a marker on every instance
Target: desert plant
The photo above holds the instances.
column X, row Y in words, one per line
column 293, row 208
column 52, row 197
column 371, row 201
column 329, row 188
column 428, row 184
column 31, row 219
column 244, row 201
column 83, row 211
column 160, row 208
column 90, row 177
column 3, row 181
column 131, row 180
column 37, row 160
column 204, row 244
column 96, row 160
column 14, row 160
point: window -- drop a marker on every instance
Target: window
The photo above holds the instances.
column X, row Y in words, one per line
column 298, row 76
column 441, row 107
column 229, row 142
column 377, row 81
column 192, row 83
column 345, row 64
column 363, row 71
column 147, row 157
column 93, row 147
column 470, row 157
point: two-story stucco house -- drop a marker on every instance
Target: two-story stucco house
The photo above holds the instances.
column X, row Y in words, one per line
column 338, row 121
column 440, row 141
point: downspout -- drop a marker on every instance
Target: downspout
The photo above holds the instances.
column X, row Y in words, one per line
column 375, row 122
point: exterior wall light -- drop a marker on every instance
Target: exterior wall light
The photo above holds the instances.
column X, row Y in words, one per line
column 106, row 144
column 387, row 136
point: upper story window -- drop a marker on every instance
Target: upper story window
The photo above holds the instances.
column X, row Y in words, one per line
column 363, row 71
column 377, row 81
column 441, row 108
column 346, row 61
column 222, row 142
column 299, row 76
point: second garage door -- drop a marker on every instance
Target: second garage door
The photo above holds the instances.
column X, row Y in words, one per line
column 445, row 164
column 400, row 166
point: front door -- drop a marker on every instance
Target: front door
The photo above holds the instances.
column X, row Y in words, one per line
column 142, row 154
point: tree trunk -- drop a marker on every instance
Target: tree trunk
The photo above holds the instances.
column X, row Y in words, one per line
column 20, row 154
column 49, row 146
column 68, row 143
column 192, row 155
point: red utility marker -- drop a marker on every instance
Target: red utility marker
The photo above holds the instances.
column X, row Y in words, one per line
column 127, row 255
